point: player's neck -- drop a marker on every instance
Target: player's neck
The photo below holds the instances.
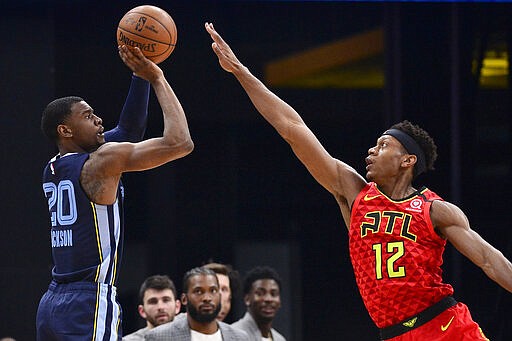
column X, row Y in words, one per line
column 399, row 189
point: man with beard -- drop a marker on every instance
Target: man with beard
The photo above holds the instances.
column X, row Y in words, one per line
column 228, row 284
column 262, row 297
column 201, row 296
column 158, row 304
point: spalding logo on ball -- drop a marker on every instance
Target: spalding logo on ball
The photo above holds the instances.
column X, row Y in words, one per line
column 149, row 28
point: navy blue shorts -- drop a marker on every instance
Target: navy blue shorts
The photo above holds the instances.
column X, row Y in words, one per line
column 79, row 311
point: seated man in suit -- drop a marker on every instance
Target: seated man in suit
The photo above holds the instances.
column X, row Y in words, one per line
column 158, row 304
column 262, row 297
column 201, row 297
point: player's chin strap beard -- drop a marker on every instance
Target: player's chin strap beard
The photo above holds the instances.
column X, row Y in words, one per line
column 412, row 147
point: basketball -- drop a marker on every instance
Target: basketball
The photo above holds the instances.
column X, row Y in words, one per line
column 149, row 28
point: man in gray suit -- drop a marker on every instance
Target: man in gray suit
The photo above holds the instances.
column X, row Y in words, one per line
column 201, row 296
column 159, row 303
column 262, row 297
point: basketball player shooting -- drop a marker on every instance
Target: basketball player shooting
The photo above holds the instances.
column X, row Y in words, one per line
column 85, row 195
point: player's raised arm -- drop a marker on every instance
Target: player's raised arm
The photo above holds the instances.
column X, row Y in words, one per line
column 133, row 118
column 454, row 226
column 175, row 141
column 110, row 160
column 337, row 177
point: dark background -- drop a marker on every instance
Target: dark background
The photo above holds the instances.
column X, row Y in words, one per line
column 242, row 197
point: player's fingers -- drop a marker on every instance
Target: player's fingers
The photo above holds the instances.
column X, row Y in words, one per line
column 129, row 58
column 217, row 50
column 215, row 35
column 209, row 30
column 138, row 53
column 123, row 56
column 125, row 52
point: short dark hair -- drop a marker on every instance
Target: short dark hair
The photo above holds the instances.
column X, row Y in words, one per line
column 197, row 272
column 260, row 272
column 422, row 138
column 157, row 282
column 55, row 113
column 226, row 270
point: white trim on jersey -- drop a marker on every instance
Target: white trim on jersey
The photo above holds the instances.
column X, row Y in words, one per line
column 116, row 317
column 117, row 236
column 103, row 302
column 103, row 233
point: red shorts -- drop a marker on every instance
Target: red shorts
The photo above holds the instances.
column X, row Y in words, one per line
column 453, row 324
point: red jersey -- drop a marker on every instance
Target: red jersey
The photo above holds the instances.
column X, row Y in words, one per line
column 396, row 254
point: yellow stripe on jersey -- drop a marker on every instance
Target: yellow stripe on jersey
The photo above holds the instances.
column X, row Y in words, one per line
column 96, row 312
column 114, row 272
column 97, row 240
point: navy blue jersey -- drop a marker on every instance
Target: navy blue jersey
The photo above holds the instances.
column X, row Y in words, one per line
column 86, row 238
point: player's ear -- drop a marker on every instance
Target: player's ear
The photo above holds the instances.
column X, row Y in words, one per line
column 64, row 131
column 409, row 160
column 178, row 306
column 247, row 300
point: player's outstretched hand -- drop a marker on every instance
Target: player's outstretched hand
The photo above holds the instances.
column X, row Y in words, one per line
column 139, row 64
column 227, row 58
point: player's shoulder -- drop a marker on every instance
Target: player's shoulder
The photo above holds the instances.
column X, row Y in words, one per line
column 348, row 182
column 444, row 213
column 110, row 147
column 443, row 207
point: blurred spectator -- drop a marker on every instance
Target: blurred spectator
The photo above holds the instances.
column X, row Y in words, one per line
column 158, row 304
column 201, row 296
column 229, row 283
column 262, row 297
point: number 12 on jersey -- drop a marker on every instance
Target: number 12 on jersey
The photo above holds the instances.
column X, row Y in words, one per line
column 389, row 253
